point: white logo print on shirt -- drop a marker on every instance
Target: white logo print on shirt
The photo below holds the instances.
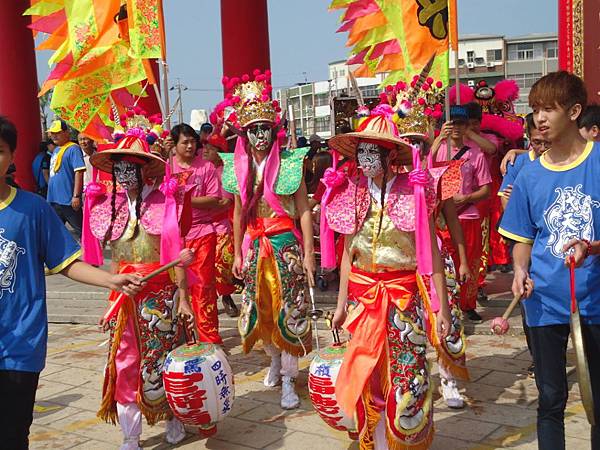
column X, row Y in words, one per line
column 9, row 254
column 570, row 216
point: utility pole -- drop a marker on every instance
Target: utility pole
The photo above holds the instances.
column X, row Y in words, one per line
column 180, row 88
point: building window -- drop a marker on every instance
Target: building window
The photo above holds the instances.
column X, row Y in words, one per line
column 471, row 56
column 322, row 99
column 526, row 80
column 494, row 55
column 322, row 124
column 551, row 49
column 369, row 91
column 520, row 52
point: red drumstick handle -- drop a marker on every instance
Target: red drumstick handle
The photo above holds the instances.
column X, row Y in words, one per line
column 572, row 284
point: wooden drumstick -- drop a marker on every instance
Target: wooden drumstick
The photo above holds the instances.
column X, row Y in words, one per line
column 500, row 324
column 186, row 257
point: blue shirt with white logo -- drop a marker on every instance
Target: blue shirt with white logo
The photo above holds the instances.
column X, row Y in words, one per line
column 31, row 235
column 61, row 182
column 549, row 206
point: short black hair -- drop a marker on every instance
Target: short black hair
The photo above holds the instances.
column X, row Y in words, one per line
column 8, row 133
column 590, row 117
column 301, row 142
column 185, row 129
column 206, row 128
column 474, row 111
column 530, row 124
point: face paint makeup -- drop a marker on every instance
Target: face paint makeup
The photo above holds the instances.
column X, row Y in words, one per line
column 369, row 159
column 126, row 174
column 260, row 136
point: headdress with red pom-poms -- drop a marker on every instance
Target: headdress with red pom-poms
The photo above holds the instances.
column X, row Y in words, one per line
column 136, row 122
column 417, row 106
column 250, row 98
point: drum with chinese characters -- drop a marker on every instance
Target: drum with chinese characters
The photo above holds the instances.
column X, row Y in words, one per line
column 322, row 375
column 199, row 386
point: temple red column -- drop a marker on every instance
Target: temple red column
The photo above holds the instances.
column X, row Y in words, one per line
column 19, row 86
column 579, row 42
column 244, row 36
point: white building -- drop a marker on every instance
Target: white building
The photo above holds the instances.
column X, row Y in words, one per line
column 480, row 57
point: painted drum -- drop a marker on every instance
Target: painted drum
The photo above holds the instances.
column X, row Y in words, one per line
column 199, row 385
column 322, row 375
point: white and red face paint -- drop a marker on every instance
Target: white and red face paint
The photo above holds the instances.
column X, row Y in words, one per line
column 369, row 159
column 260, row 136
column 126, row 174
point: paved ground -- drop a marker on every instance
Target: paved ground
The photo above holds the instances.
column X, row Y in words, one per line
column 501, row 400
column 500, row 412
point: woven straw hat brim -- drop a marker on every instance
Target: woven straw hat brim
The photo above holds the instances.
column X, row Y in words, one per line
column 415, row 136
column 155, row 167
column 346, row 144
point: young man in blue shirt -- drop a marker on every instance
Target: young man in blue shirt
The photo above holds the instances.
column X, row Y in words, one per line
column 65, row 186
column 553, row 212
column 31, row 235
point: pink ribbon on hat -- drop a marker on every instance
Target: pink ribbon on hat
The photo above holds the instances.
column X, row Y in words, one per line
column 92, row 250
column 419, row 178
column 332, row 178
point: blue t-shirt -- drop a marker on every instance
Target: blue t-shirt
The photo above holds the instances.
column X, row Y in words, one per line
column 513, row 170
column 40, row 163
column 31, row 235
column 549, row 206
column 61, row 183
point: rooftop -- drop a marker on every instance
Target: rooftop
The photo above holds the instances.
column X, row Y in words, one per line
column 533, row 37
column 478, row 37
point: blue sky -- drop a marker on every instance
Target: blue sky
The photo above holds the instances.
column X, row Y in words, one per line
column 303, row 39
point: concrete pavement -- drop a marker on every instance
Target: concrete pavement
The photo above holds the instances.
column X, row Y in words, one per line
column 500, row 412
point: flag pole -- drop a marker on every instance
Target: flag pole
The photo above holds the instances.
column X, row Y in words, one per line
column 165, row 67
column 453, row 41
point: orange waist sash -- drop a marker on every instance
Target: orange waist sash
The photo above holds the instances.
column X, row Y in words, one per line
column 263, row 227
column 367, row 323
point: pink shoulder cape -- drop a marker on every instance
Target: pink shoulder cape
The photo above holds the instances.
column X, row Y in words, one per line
column 348, row 208
column 152, row 212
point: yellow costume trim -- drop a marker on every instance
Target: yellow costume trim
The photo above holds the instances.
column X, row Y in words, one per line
column 514, row 237
column 66, row 263
column 580, row 159
column 11, row 196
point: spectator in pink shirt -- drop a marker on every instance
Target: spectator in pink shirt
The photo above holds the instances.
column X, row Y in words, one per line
column 476, row 180
column 214, row 144
column 202, row 186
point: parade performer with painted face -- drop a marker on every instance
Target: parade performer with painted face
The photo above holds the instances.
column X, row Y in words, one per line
column 385, row 215
column 270, row 195
column 131, row 218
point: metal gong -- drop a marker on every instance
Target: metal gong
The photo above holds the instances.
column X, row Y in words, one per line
column 583, row 372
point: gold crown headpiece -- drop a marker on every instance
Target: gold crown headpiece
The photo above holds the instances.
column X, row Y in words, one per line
column 417, row 105
column 251, row 99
